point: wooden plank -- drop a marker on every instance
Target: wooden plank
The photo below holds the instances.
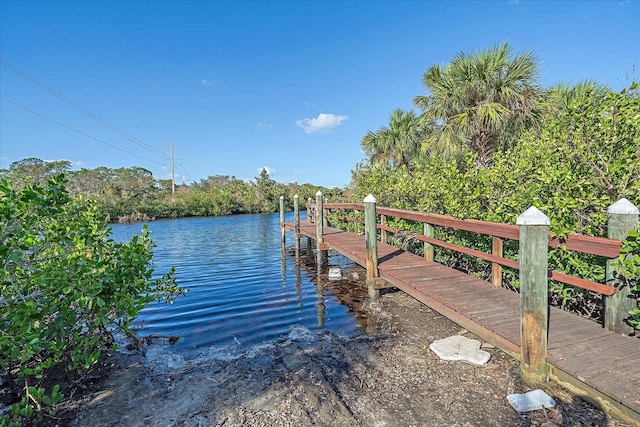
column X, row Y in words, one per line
column 581, row 359
column 566, row 329
column 621, row 383
column 468, row 251
column 608, row 402
column 415, row 273
column 508, row 329
column 582, row 283
column 487, row 311
column 607, row 248
column 489, row 320
column 506, row 231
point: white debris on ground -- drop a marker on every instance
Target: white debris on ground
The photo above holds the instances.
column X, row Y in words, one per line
column 458, row 347
column 335, row 273
column 531, row 401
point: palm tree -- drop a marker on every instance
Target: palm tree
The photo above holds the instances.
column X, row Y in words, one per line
column 562, row 96
column 479, row 100
column 399, row 144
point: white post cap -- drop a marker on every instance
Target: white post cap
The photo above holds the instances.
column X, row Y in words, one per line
column 370, row 199
column 623, row 207
column 533, row 216
column 319, row 193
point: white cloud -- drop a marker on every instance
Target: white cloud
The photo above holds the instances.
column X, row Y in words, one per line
column 269, row 170
column 205, row 82
column 324, row 123
column 264, row 124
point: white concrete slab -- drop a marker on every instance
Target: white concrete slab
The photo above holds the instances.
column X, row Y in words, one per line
column 458, row 347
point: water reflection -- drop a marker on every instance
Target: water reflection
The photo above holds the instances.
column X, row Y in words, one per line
column 350, row 290
column 244, row 286
column 241, row 278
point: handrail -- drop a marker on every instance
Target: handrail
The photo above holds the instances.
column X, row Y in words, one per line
column 599, row 246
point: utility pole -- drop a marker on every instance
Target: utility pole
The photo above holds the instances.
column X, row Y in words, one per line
column 173, row 171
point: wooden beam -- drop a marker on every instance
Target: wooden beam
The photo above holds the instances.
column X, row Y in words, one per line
column 380, row 283
column 606, row 403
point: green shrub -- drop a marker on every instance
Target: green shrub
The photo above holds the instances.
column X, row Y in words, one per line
column 65, row 288
column 585, row 157
column 630, row 262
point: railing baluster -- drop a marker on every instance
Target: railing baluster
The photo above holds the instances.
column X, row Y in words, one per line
column 428, row 247
column 383, row 232
column 496, row 269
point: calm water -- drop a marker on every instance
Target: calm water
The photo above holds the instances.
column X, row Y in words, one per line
column 244, row 289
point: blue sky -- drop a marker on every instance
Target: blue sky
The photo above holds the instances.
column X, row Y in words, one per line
column 238, row 86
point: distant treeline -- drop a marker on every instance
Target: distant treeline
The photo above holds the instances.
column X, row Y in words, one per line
column 132, row 194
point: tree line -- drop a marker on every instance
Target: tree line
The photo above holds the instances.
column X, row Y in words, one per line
column 128, row 194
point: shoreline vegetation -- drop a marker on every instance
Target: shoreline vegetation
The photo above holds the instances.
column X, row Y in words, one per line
column 134, row 195
column 485, row 142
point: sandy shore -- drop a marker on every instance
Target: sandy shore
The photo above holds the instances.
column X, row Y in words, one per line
column 387, row 377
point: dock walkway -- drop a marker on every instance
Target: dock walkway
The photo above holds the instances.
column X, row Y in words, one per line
column 591, row 361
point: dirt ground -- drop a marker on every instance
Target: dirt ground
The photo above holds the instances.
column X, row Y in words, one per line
column 388, row 377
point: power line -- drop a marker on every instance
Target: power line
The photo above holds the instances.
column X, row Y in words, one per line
column 55, row 29
column 173, row 171
column 186, row 173
column 77, row 131
column 81, row 109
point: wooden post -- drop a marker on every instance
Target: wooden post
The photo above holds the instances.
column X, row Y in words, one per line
column 371, row 241
column 325, row 214
column 534, row 308
column 282, row 231
column 383, row 232
column 319, row 220
column 296, row 214
column 623, row 217
column 296, row 223
column 496, row 269
column 428, row 247
column 309, row 208
column 322, row 255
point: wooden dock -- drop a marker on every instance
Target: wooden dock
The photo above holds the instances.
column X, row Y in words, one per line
column 594, row 363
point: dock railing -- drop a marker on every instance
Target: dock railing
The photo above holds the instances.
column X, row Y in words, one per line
column 623, row 217
column 531, row 231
